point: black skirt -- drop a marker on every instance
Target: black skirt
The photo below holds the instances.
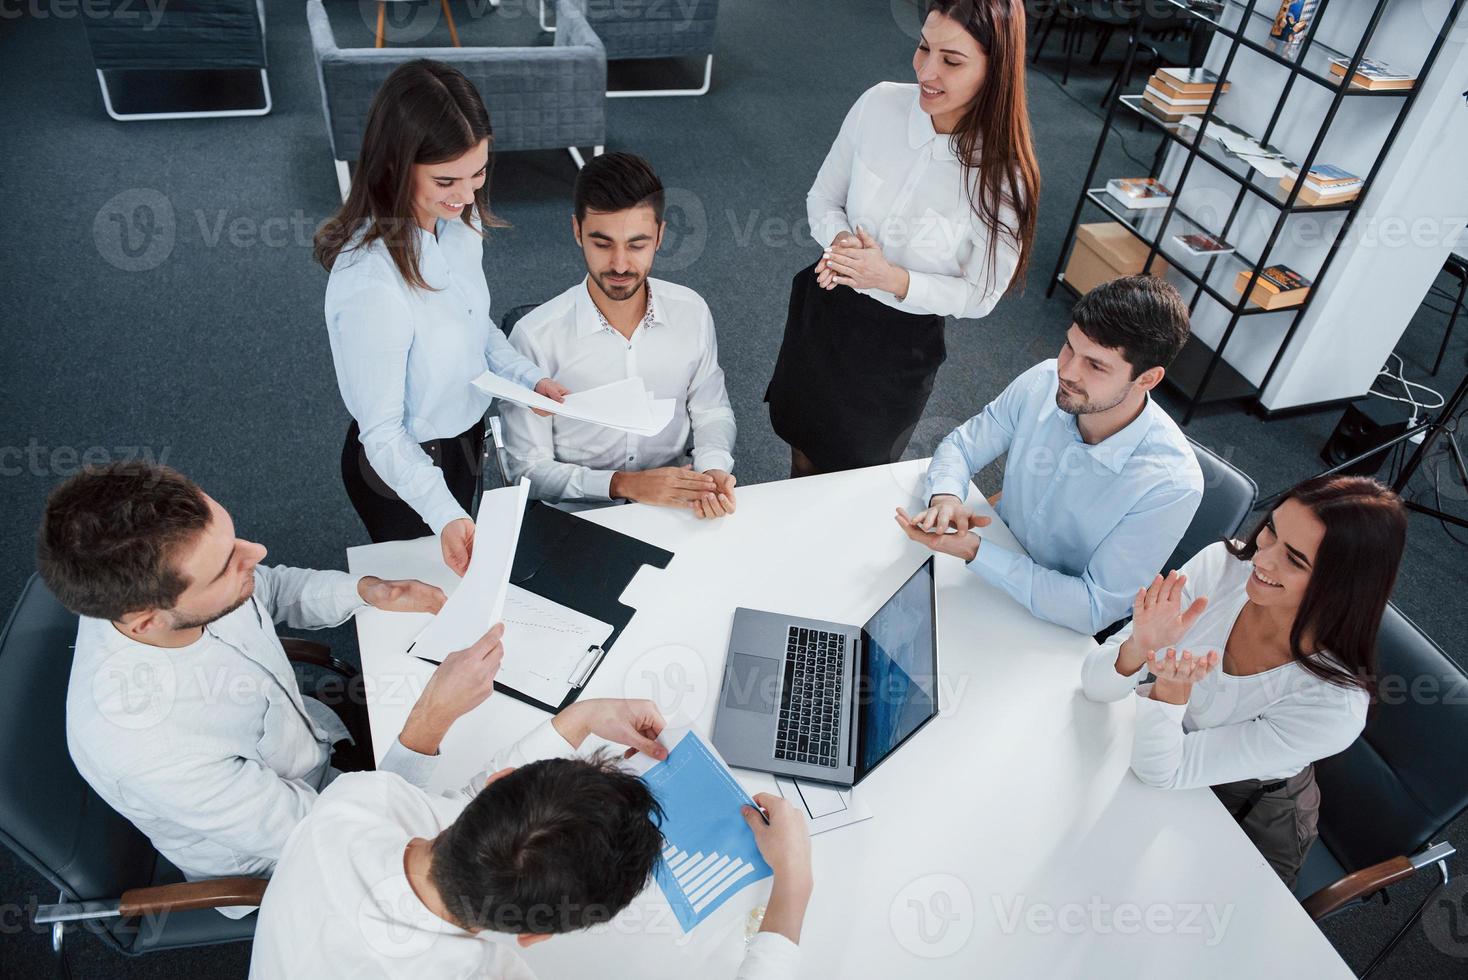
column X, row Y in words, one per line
column 853, row 376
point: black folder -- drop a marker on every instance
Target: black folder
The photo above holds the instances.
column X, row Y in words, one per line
column 582, row 566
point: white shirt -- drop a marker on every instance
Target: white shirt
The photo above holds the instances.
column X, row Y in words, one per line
column 891, row 173
column 340, row 904
column 405, row 357
column 673, row 350
column 1268, row 726
column 1096, row 522
column 210, row 749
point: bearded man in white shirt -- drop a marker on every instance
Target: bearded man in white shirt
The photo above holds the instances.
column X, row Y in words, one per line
column 620, row 323
column 183, row 711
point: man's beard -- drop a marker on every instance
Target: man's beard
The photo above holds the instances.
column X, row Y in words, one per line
column 620, row 292
column 1083, row 407
column 188, row 624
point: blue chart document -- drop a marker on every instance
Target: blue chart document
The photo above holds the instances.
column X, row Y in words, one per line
column 709, row 852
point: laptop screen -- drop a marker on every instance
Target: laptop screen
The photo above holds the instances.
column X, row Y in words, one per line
column 898, row 687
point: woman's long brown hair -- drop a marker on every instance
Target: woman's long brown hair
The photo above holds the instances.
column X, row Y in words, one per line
column 425, row 112
column 1354, row 571
column 992, row 141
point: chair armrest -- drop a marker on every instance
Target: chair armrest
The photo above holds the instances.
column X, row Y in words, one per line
column 211, row 893
column 314, row 654
column 1357, row 884
column 183, row 896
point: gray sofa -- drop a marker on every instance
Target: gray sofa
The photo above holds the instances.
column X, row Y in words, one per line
column 538, row 97
column 653, row 29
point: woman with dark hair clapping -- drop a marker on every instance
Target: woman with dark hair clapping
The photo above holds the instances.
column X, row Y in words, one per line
column 407, row 310
column 1264, row 658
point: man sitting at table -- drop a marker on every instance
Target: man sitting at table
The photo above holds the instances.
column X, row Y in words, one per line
column 1099, row 484
column 618, row 323
column 385, row 880
column 183, row 711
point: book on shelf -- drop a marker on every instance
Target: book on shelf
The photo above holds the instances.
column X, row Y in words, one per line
column 1139, row 192
column 1188, row 81
column 1324, row 184
column 1374, row 76
column 1155, row 94
column 1168, row 112
column 1277, row 287
column 1201, row 245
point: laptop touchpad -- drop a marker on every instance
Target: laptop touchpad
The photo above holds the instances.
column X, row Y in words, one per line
column 753, row 683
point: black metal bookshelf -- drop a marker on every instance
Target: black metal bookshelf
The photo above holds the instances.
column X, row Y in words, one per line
column 1200, row 373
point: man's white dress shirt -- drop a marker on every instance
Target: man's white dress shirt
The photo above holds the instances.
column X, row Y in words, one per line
column 1265, row 726
column 891, row 173
column 340, row 903
column 673, row 350
column 405, row 357
column 210, row 749
column 1097, row 522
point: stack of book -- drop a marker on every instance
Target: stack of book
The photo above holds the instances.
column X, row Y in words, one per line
column 1173, row 93
column 1374, row 76
column 1139, row 192
column 1278, row 286
column 1325, row 184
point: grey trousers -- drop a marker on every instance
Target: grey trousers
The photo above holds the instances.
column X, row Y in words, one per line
column 1280, row 817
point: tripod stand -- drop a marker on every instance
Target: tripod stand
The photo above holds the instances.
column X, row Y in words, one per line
column 1444, row 423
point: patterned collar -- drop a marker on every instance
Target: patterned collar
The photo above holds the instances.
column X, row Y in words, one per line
column 648, row 318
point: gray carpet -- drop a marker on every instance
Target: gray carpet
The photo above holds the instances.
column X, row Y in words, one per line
column 216, row 362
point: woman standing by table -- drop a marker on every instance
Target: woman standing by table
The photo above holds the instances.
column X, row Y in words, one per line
column 407, row 310
column 926, row 207
column 1264, row 658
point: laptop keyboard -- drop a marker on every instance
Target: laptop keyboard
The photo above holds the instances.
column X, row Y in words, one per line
column 810, row 703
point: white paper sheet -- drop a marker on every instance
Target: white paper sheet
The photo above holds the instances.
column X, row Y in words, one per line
column 826, row 807
column 477, row 603
column 625, row 404
column 547, row 645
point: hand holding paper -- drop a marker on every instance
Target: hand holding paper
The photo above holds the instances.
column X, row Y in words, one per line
column 625, row 404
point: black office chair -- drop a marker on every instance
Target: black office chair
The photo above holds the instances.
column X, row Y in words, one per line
column 1385, row 799
column 108, row 875
column 1228, row 496
column 494, row 438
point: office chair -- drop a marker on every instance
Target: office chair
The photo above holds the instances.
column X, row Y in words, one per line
column 1387, row 798
column 1228, row 497
column 107, row 873
column 494, row 437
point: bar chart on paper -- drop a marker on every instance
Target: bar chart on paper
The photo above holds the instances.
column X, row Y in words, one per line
column 709, row 853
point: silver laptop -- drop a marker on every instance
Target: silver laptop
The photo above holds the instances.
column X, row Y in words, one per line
column 828, row 701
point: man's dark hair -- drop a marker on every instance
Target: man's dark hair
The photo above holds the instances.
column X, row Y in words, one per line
column 1143, row 316
column 554, row 846
column 617, row 182
column 108, row 539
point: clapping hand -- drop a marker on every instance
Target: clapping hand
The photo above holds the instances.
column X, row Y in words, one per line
column 861, row 265
column 718, row 502
column 964, row 544
column 1176, row 674
column 1158, row 619
column 825, row 278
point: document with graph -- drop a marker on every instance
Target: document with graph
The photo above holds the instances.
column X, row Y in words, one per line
column 709, row 852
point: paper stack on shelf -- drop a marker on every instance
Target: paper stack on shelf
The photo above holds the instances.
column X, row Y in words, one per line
column 1325, row 184
column 1239, row 144
column 1173, row 93
column 625, row 404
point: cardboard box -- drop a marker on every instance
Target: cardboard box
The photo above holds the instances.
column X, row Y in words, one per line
column 1105, row 251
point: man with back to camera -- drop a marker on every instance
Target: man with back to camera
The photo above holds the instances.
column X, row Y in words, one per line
column 1100, row 483
column 615, row 324
column 385, row 880
column 183, row 711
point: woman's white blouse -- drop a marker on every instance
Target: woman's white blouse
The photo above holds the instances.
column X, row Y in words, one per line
column 405, row 357
column 1265, row 726
column 892, row 174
